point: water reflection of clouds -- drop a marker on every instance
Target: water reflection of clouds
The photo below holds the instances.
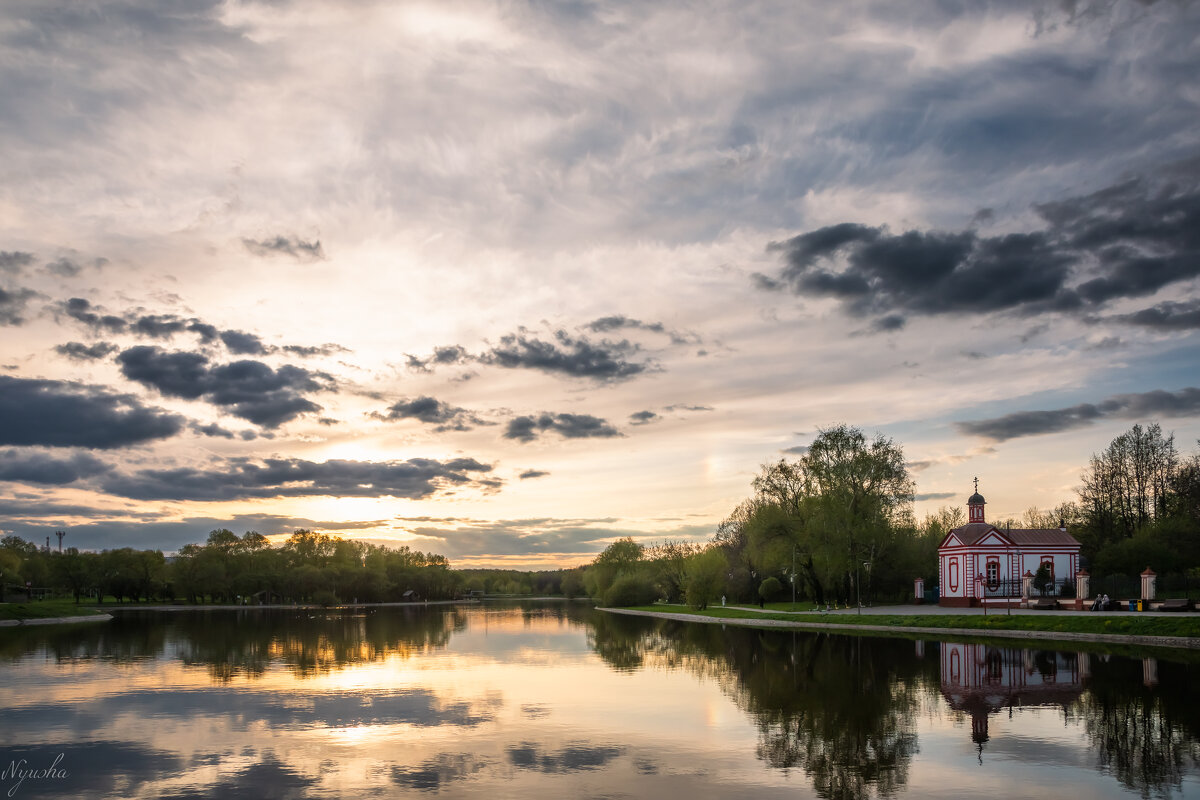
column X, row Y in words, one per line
column 571, row 758
column 103, row 766
column 268, row 778
column 416, row 707
column 437, row 772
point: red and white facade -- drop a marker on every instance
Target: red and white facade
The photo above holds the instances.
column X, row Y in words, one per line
column 979, row 560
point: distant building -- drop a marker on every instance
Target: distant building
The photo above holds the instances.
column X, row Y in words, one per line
column 979, row 561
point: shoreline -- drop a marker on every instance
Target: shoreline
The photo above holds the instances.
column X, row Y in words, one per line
column 1180, row 642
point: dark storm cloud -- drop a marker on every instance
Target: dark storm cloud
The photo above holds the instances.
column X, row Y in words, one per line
column 522, row 536
column 14, row 262
column 570, row 426
column 81, row 310
column 532, row 473
column 1184, row 403
column 239, row 479
column 206, row 332
column 442, row 356
column 212, row 430
column 243, row 344
column 576, row 357
column 64, row 267
column 1128, row 240
column 617, row 322
column 158, row 326
column 247, row 389
column 643, row 417
column 26, row 467
column 621, row 322
column 59, row 414
column 564, row 354
column 1167, row 316
column 432, row 411
column 292, row 246
column 12, row 305
column 311, row 351
column 86, row 352
column 1032, row 423
column 888, row 322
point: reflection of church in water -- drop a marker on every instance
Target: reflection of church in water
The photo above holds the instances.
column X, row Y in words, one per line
column 982, row 679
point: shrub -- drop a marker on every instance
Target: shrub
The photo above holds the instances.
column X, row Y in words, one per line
column 770, row 588
column 1067, row 590
column 325, row 598
column 631, row 590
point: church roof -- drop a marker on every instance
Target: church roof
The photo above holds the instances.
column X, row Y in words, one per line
column 1022, row 537
column 976, row 500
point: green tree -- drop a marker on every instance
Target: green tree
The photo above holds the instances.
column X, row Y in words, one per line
column 705, row 577
column 622, row 557
column 770, row 588
column 839, row 514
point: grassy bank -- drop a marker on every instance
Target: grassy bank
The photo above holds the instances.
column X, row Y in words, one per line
column 43, row 609
column 1131, row 625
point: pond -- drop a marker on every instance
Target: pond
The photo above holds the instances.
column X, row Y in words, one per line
column 557, row 700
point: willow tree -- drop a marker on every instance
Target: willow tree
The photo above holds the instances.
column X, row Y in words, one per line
column 839, row 509
column 860, row 499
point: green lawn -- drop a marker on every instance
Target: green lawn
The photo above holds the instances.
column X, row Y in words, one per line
column 1130, row 624
column 47, row 608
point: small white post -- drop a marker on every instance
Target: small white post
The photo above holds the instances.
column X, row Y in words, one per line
column 1148, row 584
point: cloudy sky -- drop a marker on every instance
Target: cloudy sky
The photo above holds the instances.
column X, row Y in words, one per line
column 507, row 280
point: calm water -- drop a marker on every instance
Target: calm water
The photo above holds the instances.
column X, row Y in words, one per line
column 554, row 700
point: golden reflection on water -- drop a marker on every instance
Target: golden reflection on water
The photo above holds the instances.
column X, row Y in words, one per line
column 556, row 700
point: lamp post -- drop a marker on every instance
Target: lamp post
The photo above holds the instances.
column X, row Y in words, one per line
column 858, row 588
column 793, row 577
column 979, row 584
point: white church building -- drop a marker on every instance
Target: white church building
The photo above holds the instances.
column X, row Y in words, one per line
column 978, row 561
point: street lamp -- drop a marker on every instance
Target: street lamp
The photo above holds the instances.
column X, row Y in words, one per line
column 858, row 589
column 979, row 589
column 793, row 577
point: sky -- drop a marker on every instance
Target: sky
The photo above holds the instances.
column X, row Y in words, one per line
column 507, row 281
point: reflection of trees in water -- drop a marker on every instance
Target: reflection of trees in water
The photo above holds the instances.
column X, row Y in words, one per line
column 89, row 641
column 248, row 643
column 1147, row 737
column 839, row 708
column 312, row 643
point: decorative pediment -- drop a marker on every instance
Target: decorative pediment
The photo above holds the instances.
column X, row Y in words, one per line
column 993, row 538
column 951, row 540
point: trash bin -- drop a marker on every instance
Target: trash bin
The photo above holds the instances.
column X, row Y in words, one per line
column 1133, row 605
column 1139, row 602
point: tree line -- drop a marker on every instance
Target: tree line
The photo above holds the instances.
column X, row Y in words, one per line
column 835, row 527
column 308, row 567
